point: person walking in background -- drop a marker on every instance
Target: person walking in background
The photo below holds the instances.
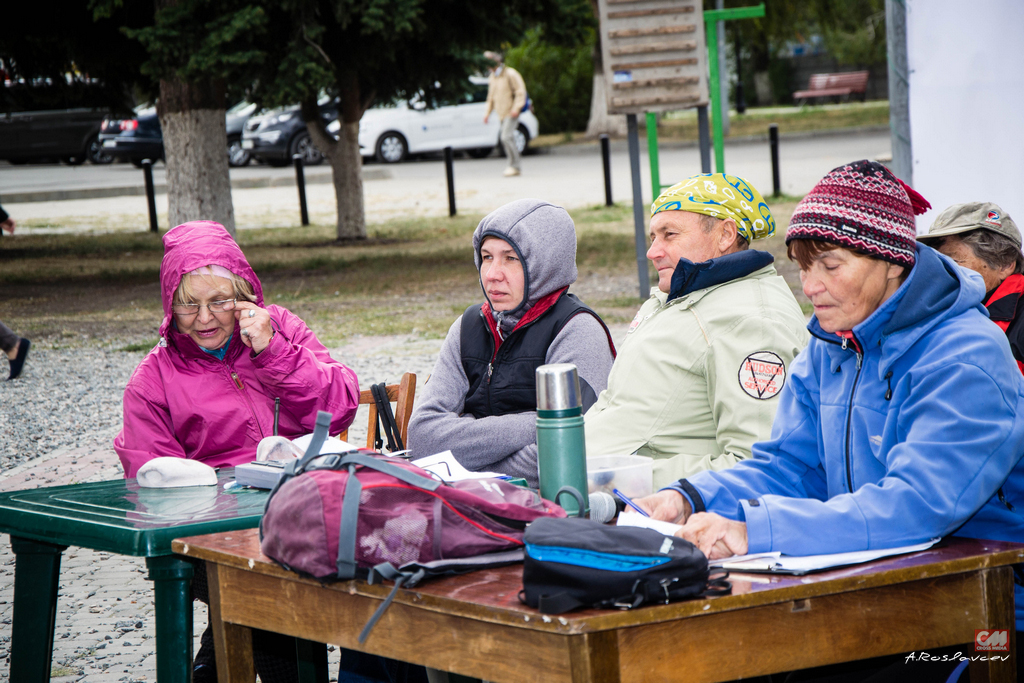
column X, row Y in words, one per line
column 14, row 346
column 506, row 97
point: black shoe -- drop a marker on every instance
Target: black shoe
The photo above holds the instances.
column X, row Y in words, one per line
column 19, row 361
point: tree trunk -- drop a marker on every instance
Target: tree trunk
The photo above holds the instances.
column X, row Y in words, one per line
column 195, row 152
column 346, row 170
column 600, row 120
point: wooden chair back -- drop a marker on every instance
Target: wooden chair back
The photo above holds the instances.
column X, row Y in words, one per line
column 402, row 395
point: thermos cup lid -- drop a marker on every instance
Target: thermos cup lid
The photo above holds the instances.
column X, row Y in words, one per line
column 558, row 387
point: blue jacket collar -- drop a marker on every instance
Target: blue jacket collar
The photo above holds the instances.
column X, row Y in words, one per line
column 689, row 276
column 935, row 289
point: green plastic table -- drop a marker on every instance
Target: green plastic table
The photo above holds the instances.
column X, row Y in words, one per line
column 119, row 517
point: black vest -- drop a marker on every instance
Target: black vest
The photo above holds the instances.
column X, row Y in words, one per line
column 509, row 385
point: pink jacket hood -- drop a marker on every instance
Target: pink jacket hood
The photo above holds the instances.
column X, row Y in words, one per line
column 183, row 402
column 193, row 245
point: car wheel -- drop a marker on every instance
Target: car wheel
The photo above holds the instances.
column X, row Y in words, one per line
column 480, row 152
column 391, row 148
column 522, row 138
column 303, row 145
column 96, row 154
column 237, row 156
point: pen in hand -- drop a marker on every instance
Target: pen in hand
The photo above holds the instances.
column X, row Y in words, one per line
column 625, row 499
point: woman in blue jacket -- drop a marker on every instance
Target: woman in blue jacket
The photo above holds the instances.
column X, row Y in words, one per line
column 902, row 420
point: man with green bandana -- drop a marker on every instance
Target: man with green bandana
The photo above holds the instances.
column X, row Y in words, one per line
column 696, row 380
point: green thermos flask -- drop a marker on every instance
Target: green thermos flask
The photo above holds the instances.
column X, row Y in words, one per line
column 561, row 452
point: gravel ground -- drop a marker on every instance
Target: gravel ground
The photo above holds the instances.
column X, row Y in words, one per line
column 62, row 397
column 72, row 397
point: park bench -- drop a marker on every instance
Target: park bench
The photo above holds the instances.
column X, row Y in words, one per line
column 840, row 85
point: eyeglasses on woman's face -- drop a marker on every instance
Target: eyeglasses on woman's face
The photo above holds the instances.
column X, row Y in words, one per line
column 189, row 310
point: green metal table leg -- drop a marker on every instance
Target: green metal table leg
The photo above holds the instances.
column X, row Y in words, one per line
column 312, row 660
column 172, row 588
column 36, row 575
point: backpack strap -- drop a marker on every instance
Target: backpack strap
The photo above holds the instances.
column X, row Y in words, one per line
column 346, row 562
column 323, row 423
column 386, row 570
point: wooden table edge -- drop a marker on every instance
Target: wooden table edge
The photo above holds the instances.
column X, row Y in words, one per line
column 597, row 621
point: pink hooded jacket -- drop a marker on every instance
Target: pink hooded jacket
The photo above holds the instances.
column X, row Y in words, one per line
column 183, row 402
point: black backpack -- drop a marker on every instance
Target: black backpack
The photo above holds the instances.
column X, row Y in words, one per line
column 573, row 563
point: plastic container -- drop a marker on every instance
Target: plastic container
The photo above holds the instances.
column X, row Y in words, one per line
column 631, row 474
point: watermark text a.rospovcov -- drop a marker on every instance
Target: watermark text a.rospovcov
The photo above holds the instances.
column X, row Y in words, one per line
column 985, row 640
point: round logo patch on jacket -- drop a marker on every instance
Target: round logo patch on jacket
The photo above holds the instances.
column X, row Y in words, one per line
column 762, row 375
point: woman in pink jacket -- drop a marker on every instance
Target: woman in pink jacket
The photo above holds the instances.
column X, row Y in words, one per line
column 209, row 389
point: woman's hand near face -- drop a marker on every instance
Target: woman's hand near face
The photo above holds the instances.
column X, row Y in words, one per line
column 255, row 325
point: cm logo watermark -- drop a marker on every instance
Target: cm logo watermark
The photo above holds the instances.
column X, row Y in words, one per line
column 991, row 641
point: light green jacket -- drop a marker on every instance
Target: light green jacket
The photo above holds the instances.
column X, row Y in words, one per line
column 696, row 381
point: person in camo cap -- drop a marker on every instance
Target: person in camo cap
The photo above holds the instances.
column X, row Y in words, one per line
column 697, row 378
column 983, row 237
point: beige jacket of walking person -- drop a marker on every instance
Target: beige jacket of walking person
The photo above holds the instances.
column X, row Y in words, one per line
column 506, row 92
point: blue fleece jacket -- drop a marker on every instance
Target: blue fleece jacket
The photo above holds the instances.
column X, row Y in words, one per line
column 909, row 440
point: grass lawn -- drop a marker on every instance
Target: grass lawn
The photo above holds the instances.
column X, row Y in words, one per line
column 682, row 125
column 412, row 275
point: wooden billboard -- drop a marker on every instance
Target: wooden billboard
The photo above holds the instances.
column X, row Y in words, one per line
column 654, row 55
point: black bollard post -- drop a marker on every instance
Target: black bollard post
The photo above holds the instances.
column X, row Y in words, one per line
column 704, row 135
column 147, row 173
column 773, row 140
column 449, row 171
column 300, row 181
column 606, row 160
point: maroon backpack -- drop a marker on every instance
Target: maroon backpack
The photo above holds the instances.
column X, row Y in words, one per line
column 360, row 513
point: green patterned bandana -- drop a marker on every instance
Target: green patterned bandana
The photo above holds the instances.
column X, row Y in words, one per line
column 720, row 196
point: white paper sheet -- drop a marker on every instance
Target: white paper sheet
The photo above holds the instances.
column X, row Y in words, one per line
column 448, row 468
column 636, row 519
column 793, row 564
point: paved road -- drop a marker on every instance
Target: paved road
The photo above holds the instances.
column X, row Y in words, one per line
column 570, row 176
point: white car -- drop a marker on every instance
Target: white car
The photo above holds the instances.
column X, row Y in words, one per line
column 393, row 133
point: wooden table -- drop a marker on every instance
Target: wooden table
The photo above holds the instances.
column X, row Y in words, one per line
column 118, row 517
column 474, row 624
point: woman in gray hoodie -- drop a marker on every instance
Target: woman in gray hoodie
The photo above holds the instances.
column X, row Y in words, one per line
column 480, row 402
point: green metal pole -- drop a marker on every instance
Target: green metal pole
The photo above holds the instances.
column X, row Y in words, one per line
column 172, row 600
column 715, row 94
column 652, row 153
column 36, row 577
column 712, row 16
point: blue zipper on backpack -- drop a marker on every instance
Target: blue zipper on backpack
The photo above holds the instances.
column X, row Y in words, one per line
column 593, row 559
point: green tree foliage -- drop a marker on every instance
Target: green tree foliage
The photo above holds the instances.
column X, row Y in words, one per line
column 57, row 57
column 366, row 51
column 559, row 79
column 193, row 41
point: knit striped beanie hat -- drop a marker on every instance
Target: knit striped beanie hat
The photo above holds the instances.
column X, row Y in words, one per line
column 863, row 207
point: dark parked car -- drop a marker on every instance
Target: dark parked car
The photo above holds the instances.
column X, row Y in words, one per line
column 277, row 135
column 134, row 139
column 69, row 135
column 140, row 137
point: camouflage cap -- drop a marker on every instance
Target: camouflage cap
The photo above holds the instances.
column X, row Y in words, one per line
column 961, row 218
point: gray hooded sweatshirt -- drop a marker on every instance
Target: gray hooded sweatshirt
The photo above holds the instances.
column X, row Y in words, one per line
column 546, row 239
